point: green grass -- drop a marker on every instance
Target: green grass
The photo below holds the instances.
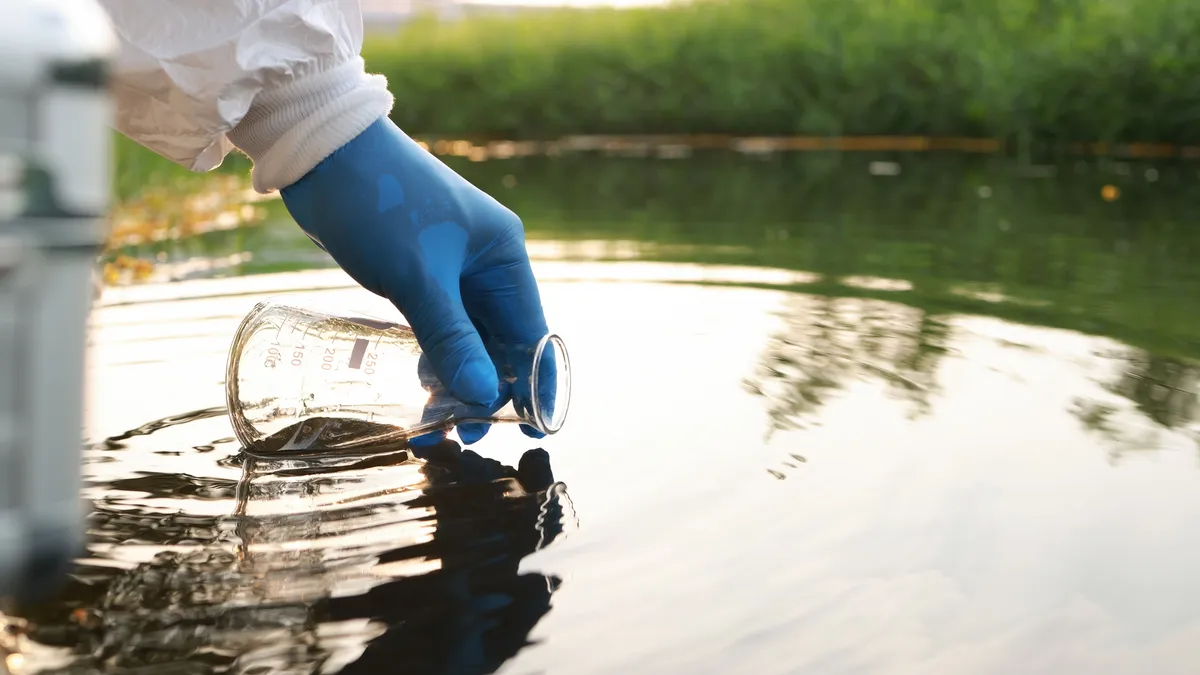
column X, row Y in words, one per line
column 1046, row 70
column 1035, row 73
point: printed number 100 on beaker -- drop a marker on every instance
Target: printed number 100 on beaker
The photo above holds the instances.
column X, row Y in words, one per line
column 299, row 378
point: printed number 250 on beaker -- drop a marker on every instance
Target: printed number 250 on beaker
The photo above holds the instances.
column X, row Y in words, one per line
column 303, row 378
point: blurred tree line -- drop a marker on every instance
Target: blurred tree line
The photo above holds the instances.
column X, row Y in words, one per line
column 1030, row 71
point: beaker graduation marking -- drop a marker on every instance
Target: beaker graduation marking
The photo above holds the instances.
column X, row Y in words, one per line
column 357, row 353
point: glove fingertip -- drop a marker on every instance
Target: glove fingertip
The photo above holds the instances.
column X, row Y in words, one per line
column 472, row 432
column 531, row 432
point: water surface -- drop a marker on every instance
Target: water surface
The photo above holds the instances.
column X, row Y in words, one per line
column 824, row 422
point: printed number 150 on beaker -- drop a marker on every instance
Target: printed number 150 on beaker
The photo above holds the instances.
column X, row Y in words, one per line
column 290, row 365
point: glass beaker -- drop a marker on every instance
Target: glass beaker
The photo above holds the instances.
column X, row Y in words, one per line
column 302, row 379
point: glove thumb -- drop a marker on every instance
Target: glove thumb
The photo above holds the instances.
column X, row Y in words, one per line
column 452, row 345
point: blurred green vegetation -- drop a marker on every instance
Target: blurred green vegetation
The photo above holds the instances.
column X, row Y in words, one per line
column 136, row 169
column 159, row 206
column 1030, row 71
column 1035, row 73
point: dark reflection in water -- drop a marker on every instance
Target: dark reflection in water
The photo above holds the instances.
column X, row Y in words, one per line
column 403, row 561
column 116, row 442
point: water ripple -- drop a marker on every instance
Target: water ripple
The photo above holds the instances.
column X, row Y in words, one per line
column 237, row 563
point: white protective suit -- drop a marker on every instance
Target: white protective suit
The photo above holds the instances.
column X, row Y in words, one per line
column 281, row 80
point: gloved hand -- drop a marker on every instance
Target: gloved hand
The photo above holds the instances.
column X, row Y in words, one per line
column 450, row 257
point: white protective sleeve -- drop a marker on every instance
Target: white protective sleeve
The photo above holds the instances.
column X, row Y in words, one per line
column 281, row 80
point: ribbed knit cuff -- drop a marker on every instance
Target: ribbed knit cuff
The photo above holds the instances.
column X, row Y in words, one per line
column 288, row 131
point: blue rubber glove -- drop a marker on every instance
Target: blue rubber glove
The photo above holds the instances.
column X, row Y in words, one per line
column 450, row 257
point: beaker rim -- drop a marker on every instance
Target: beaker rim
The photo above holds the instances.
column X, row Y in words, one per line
column 562, row 399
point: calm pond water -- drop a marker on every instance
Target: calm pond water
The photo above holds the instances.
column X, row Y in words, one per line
column 828, row 418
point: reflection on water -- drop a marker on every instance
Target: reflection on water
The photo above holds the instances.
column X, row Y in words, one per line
column 958, row 232
column 829, row 341
column 825, row 344
column 1162, row 390
column 1046, row 245
column 355, row 563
